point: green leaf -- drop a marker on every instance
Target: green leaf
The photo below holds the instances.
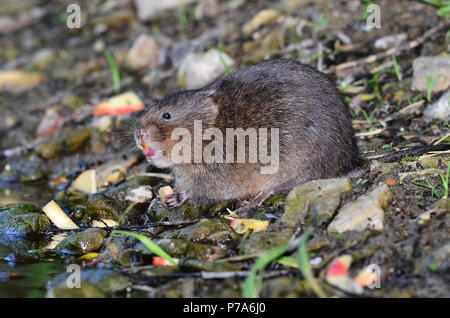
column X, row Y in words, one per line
column 155, row 249
column 305, row 267
column 114, row 71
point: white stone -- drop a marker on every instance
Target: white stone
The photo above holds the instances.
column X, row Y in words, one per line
column 440, row 109
column 199, row 69
column 147, row 9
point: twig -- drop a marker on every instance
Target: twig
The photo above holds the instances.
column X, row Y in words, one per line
column 388, row 53
column 442, row 139
column 374, row 132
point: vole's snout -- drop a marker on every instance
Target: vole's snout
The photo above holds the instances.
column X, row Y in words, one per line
column 142, row 142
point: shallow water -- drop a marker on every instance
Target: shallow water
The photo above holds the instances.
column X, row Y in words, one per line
column 31, row 279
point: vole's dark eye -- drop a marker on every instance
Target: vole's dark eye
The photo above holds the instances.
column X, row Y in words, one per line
column 166, row 116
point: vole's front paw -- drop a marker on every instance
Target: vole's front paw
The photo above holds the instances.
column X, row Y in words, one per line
column 174, row 200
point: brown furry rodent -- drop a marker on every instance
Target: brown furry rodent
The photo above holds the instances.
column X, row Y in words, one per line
column 316, row 138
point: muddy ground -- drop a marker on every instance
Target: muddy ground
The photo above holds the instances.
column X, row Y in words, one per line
column 40, row 165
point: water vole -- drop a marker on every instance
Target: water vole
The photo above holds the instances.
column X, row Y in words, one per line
column 315, row 135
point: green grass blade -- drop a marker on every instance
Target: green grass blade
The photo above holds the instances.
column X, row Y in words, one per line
column 305, row 267
column 288, row 261
column 114, row 71
column 253, row 281
column 222, row 60
column 149, row 244
column 396, row 68
column 128, row 209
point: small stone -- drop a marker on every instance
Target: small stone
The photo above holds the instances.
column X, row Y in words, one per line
column 389, row 41
column 99, row 45
column 147, row 10
column 199, row 69
column 142, row 194
column 365, row 212
column 43, row 58
column 144, row 53
column 435, row 67
column 440, row 109
column 50, row 123
column 89, row 240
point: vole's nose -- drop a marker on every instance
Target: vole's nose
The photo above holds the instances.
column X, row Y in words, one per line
column 147, row 151
column 140, row 134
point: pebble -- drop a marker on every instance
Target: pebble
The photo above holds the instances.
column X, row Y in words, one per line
column 434, row 67
column 140, row 195
column 366, row 212
column 144, row 53
column 147, row 10
column 389, row 41
column 440, row 109
column 199, row 69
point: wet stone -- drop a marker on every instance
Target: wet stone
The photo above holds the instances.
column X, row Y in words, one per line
column 104, row 207
column 185, row 212
column 94, row 283
column 202, row 230
column 22, row 218
column 89, row 240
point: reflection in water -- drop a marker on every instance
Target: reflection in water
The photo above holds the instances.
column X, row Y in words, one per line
column 32, row 278
column 29, row 276
column 14, row 193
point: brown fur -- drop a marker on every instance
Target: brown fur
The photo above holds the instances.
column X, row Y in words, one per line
column 316, row 134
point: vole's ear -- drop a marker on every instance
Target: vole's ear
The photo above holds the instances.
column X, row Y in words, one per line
column 209, row 106
column 210, row 109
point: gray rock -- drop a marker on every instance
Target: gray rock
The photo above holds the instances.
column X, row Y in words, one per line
column 366, row 212
column 140, row 195
column 199, row 69
column 440, row 109
column 147, row 9
column 434, row 67
column 313, row 202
